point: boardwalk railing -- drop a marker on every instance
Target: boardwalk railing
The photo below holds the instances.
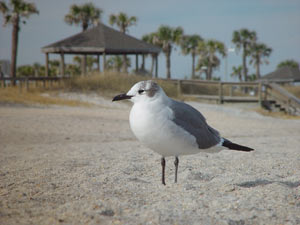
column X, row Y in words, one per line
column 222, row 91
column 268, row 95
column 27, row 81
column 277, row 96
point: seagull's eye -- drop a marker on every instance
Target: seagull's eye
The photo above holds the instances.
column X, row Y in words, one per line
column 141, row 91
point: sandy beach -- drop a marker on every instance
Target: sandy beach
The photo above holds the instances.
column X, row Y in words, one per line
column 82, row 165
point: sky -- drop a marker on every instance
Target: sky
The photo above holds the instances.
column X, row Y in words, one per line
column 276, row 22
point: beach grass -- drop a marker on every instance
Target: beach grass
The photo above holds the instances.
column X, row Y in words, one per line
column 109, row 83
column 13, row 95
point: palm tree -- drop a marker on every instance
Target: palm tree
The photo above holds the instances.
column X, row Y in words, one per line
column 165, row 38
column 123, row 22
column 73, row 70
column 207, row 56
column 289, row 62
column 14, row 13
column 189, row 45
column 85, row 15
column 258, row 52
column 54, row 67
column 243, row 39
column 237, row 71
column 149, row 38
column 116, row 62
column 90, row 61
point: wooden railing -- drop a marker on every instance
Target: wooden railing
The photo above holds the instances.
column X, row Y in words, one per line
column 287, row 101
column 220, row 95
column 265, row 93
column 27, row 81
column 262, row 92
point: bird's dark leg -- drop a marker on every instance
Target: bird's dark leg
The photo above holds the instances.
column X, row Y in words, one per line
column 176, row 163
column 163, row 164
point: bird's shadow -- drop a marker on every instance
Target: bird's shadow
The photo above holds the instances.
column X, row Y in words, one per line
column 263, row 182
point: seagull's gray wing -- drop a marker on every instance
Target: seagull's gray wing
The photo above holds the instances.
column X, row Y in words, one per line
column 192, row 121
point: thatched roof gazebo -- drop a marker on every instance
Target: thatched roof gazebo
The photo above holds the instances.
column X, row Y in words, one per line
column 283, row 74
column 100, row 40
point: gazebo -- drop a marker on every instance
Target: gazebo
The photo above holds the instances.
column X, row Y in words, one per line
column 101, row 41
column 283, row 74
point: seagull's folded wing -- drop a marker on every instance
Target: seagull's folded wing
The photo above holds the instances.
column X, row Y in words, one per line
column 192, row 121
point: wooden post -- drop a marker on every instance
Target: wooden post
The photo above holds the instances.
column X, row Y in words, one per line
column 104, row 61
column 136, row 63
column 260, row 93
column 156, row 65
column 143, row 62
column 220, row 93
column 179, row 88
column 98, row 63
column 47, row 65
column 44, row 83
column 62, row 64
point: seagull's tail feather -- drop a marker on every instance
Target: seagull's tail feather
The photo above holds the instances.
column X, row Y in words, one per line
column 233, row 146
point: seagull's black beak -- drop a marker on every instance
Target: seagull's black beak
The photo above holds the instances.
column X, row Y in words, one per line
column 121, row 97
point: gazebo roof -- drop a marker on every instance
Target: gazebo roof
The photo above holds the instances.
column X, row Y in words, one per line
column 101, row 39
column 283, row 74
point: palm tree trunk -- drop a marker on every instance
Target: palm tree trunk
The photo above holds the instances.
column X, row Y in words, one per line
column 245, row 64
column 245, row 69
column 83, row 64
column 14, row 52
column 257, row 67
column 168, row 63
column 193, row 65
column 209, row 72
column 206, row 74
column 209, row 66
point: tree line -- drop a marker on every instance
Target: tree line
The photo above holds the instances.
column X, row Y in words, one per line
column 206, row 54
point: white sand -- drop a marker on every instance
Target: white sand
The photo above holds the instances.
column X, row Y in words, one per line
column 63, row 165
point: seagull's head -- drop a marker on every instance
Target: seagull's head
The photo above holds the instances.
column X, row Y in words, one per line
column 141, row 92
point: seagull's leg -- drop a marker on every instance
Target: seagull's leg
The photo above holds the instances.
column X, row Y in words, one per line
column 163, row 164
column 176, row 163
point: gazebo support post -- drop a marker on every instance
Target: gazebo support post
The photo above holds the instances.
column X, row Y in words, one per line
column 104, row 61
column 98, row 63
column 143, row 62
column 136, row 63
column 156, row 65
column 47, row 65
column 62, row 64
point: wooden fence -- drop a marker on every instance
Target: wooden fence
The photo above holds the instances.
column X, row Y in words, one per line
column 266, row 94
column 28, row 81
column 276, row 96
column 220, row 96
column 270, row 96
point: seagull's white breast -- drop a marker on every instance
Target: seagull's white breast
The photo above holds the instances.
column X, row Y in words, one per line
column 152, row 124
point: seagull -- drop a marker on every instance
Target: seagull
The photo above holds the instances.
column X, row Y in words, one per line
column 170, row 127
